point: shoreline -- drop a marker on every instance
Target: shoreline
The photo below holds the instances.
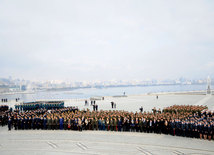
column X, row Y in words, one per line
column 73, row 90
column 202, row 92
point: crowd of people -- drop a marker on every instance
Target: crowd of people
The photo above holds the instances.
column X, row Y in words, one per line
column 3, row 108
column 179, row 120
column 3, row 114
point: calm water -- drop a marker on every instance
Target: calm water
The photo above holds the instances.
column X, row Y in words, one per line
column 90, row 92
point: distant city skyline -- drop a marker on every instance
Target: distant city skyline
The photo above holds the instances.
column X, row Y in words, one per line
column 179, row 80
column 105, row 40
column 94, row 80
column 11, row 84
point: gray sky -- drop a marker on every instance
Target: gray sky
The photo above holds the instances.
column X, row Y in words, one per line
column 104, row 40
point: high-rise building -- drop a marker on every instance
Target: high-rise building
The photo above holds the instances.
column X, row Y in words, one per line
column 208, row 85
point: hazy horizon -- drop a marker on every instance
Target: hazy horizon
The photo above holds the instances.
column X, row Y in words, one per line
column 105, row 40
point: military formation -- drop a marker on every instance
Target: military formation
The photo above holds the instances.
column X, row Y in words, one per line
column 3, row 115
column 3, row 108
column 177, row 120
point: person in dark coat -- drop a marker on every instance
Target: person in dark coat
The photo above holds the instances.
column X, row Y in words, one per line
column 132, row 124
column 53, row 123
column 57, row 123
column 48, row 123
column 22, row 123
column 195, row 128
column 19, row 123
column 103, row 124
column 141, row 109
column 15, row 123
column 45, row 123
column 144, row 125
column 38, row 123
column 162, row 125
column 119, row 124
column 9, row 123
column 200, row 126
column 154, row 124
column 99, row 124
column 205, row 131
column 178, row 128
column 72, row 123
column 112, row 105
column 191, row 129
column 183, row 128
column 33, row 124
column 61, row 121
column 137, row 127
column 65, row 123
column 150, row 126
column 172, row 127
column 30, row 122
column 41, row 126
column 111, row 124
column 158, row 127
column 75, row 124
column 140, row 125
column 25, row 123
column 209, row 129
column 128, row 124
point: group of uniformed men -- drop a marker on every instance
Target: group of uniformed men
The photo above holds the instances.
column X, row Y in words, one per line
column 3, row 108
column 3, row 115
column 4, row 100
column 188, row 121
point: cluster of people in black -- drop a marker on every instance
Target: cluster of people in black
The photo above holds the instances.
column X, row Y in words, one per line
column 179, row 120
column 35, row 119
column 95, row 106
column 93, row 103
column 4, row 100
column 3, row 114
column 17, row 99
column 3, row 108
column 113, row 105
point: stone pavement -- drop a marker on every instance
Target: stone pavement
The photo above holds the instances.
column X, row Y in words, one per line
column 134, row 102
column 98, row 142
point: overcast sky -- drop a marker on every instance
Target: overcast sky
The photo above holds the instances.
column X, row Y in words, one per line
column 105, row 40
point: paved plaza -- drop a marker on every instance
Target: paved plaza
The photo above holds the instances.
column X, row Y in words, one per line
column 98, row 142
column 134, row 102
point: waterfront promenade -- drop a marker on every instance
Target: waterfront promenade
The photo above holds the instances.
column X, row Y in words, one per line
column 148, row 102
